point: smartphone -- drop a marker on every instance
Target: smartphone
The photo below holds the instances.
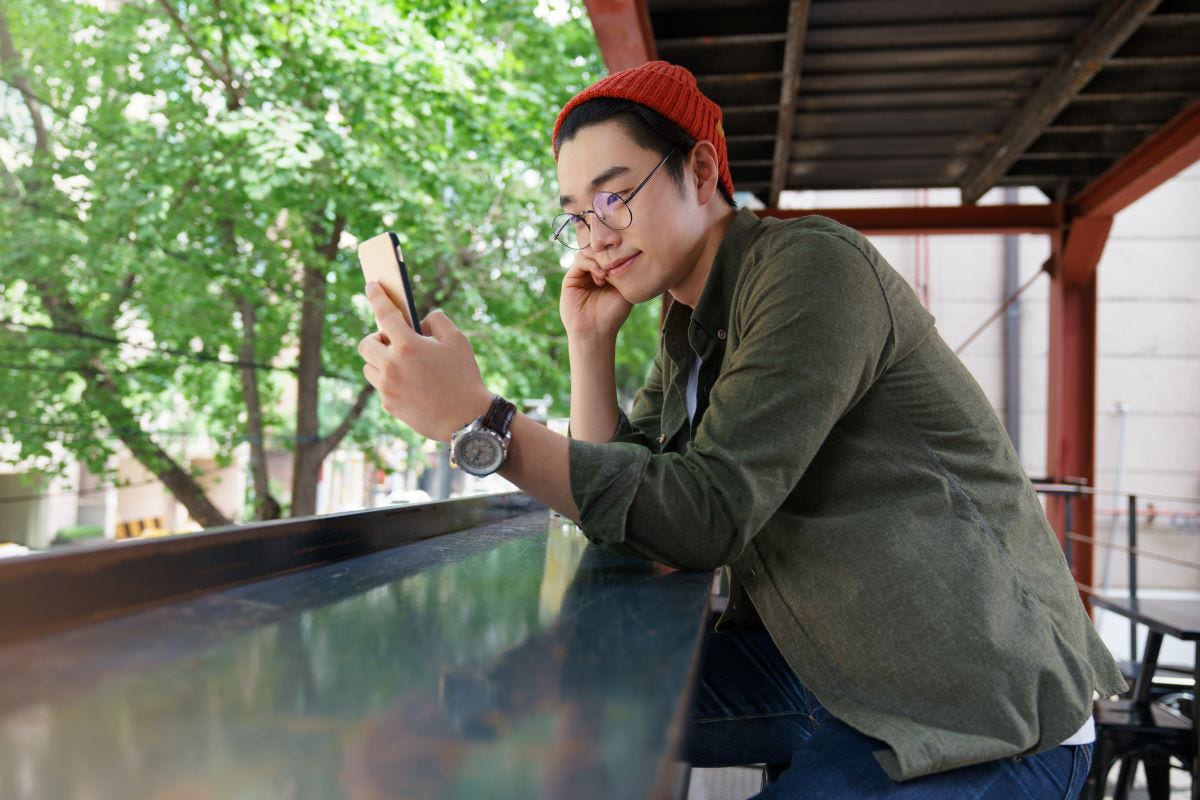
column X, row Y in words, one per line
column 382, row 260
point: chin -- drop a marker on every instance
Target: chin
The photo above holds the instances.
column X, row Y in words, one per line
column 634, row 296
column 636, row 293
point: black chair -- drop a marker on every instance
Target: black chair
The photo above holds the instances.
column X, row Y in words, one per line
column 1128, row 731
column 1167, row 679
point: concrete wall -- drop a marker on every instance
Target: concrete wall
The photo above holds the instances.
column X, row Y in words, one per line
column 34, row 508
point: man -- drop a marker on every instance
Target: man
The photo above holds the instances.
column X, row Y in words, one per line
column 902, row 622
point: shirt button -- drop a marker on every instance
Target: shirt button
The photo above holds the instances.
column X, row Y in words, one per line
column 721, row 334
column 662, row 437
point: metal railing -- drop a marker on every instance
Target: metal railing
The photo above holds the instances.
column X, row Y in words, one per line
column 1073, row 494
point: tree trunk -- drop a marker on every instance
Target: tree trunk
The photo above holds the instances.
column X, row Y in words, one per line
column 307, row 459
column 265, row 505
column 310, row 450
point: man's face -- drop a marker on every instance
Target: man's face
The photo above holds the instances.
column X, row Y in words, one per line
column 667, row 231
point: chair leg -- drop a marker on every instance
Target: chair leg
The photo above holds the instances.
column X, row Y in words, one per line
column 1097, row 781
column 1158, row 773
column 1125, row 777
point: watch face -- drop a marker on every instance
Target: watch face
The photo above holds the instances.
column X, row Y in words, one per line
column 478, row 452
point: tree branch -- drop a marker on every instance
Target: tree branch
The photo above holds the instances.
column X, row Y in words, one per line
column 12, row 186
column 106, row 397
column 228, row 80
column 114, row 309
column 30, row 95
column 12, row 62
column 333, row 439
column 225, row 46
column 330, row 248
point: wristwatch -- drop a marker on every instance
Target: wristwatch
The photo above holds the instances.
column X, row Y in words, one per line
column 480, row 447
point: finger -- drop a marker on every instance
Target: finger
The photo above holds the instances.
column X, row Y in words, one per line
column 373, row 375
column 390, row 319
column 372, row 349
column 590, row 271
column 439, row 325
column 592, row 266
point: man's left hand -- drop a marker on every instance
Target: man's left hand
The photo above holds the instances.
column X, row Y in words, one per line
column 430, row 383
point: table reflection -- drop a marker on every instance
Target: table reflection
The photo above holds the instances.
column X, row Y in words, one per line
column 510, row 660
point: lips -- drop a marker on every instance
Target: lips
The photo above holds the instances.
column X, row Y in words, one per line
column 622, row 265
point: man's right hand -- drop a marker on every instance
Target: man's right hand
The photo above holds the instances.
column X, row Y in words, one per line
column 590, row 307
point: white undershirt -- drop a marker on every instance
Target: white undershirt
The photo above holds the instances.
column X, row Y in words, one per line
column 1084, row 735
column 690, row 397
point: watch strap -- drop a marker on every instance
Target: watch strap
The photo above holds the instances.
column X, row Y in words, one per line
column 499, row 415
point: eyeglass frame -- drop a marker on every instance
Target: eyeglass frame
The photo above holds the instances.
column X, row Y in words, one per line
column 592, row 210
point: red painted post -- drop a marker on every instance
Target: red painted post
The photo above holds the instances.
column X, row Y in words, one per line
column 1071, row 406
column 623, row 32
column 626, row 39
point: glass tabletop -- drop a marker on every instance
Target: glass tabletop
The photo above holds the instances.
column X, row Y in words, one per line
column 508, row 660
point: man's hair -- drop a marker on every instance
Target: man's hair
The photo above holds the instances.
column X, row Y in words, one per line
column 648, row 129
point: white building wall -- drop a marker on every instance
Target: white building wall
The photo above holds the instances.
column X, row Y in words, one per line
column 1149, row 361
column 34, row 507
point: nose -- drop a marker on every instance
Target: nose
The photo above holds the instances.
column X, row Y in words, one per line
column 603, row 237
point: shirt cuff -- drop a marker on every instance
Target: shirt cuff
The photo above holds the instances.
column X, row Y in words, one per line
column 604, row 481
column 625, row 431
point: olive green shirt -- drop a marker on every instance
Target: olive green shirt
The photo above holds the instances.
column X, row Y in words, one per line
column 864, row 494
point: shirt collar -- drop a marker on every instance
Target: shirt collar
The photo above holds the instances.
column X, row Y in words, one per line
column 711, row 315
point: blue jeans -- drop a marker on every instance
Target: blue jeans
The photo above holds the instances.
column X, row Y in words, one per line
column 750, row 708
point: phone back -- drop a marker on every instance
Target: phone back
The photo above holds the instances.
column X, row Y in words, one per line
column 382, row 260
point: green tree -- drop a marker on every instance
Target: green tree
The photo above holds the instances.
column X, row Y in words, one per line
column 181, row 188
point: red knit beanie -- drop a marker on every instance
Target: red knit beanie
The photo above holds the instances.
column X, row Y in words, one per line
column 670, row 90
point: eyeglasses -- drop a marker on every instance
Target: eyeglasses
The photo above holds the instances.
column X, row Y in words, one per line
column 574, row 232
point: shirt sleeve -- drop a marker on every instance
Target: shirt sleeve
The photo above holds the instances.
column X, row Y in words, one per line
column 814, row 332
column 641, row 426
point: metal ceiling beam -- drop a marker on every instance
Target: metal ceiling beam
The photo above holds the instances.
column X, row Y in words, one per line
column 1174, row 148
column 937, row 220
column 793, row 56
column 1115, row 22
column 623, row 32
column 1085, row 240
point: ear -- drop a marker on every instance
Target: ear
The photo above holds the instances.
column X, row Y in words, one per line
column 706, row 174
